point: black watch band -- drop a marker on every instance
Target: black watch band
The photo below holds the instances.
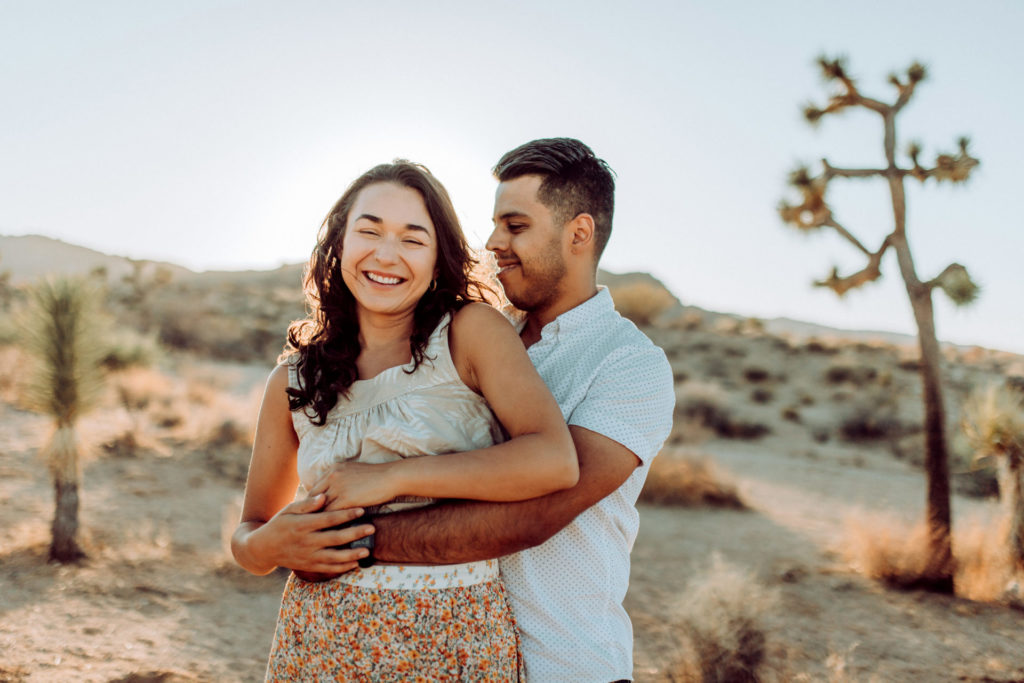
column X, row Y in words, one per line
column 364, row 542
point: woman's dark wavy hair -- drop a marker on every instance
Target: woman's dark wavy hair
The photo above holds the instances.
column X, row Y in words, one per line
column 326, row 343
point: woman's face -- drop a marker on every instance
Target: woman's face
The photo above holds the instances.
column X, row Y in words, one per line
column 389, row 251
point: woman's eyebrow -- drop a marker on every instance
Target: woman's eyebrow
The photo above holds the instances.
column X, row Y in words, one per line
column 377, row 219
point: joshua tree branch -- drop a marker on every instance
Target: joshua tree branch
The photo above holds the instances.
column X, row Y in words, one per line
column 871, row 272
column 833, row 171
column 906, row 92
column 834, row 224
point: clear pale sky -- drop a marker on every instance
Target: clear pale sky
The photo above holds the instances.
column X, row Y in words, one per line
column 216, row 134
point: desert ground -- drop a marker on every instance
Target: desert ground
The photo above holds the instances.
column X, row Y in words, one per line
column 814, row 444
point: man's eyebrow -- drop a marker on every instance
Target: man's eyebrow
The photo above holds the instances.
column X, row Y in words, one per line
column 376, row 219
column 511, row 214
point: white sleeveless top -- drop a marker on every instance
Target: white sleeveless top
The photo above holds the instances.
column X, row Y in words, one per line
column 397, row 414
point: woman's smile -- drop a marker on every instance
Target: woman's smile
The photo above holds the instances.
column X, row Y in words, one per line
column 382, row 278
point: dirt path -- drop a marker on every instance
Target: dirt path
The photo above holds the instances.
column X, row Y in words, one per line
column 160, row 600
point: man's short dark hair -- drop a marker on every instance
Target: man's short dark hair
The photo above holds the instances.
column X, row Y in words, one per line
column 573, row 181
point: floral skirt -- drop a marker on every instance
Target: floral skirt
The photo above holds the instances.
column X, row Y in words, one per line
column 395, row 623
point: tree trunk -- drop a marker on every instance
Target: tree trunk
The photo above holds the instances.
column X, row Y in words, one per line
column 1011, row 490
column 63, row 452
column 64, row 547
column 939, row 576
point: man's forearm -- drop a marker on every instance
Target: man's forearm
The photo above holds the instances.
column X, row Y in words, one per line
column 465, row 531
column 468, row 531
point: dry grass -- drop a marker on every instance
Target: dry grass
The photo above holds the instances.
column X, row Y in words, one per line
column 719, row 627
column 896, row 553
column 689, row 479
column 13, row 363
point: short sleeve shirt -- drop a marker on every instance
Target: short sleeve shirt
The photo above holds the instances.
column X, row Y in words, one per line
column 567, row 593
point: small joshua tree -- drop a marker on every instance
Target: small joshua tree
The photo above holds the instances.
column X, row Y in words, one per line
column 59, row 330
column 814, row 212
column 994, row 424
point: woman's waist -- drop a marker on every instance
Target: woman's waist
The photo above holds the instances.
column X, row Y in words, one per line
column 422, row 577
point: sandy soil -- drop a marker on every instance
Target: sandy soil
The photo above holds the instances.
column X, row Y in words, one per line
column 161, row 600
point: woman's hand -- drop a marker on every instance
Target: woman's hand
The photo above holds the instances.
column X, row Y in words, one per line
column 350, row 484
column 297, row 537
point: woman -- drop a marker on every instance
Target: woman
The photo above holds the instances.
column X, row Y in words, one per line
column 396, row 361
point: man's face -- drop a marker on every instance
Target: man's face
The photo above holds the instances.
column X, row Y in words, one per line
column 528, row 245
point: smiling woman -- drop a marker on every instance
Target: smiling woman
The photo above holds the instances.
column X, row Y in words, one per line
column 398, row 359
column 389, row 249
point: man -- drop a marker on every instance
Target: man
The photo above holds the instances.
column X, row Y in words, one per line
column 565, row 556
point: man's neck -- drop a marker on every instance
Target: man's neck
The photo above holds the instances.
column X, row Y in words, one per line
column 536, row 320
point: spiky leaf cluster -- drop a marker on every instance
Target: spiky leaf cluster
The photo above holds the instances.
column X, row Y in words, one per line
column 812, row 212
column 61, row 331
column 994, row 424
column 956, row 282
column 955, row 168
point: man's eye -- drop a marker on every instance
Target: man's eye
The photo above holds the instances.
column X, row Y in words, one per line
column 516, row 227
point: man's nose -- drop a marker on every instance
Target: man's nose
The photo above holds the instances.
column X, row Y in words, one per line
column 497, row 241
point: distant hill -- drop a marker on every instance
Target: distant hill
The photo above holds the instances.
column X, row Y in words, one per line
column 29, row 257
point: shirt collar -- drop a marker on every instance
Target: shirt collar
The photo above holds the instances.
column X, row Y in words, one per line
column 580, row 315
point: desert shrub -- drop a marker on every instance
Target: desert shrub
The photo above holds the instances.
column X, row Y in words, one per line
column 790, row 414
column 864, row 423
column 817, row 346
column 127, row 349
column 873, row 415
column 897, row 553
column 720, row 626
column 734, row 351
column 687, row 479
column 858, row 375
column 706, row 404
column 910, row 365
column 761, row 395
column 641, row 302
column 690, row 321
column 755, row 374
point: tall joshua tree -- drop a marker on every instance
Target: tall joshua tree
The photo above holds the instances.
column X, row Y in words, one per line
column 60, row 333
column 814, row 213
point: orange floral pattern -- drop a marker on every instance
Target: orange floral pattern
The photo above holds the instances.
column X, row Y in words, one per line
column 352, row 630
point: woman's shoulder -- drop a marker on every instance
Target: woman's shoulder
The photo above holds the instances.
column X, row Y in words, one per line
column 280, row 376
column 474, row 318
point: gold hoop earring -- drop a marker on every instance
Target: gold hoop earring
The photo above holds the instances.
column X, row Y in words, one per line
column 433, row 286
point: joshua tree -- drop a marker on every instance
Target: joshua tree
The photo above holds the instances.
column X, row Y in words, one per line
column 60, row 334
column 994, row 424
column 814, row 212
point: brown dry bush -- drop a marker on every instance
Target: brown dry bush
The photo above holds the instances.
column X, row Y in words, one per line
column 641, row 302
column 689, row 479
column 719, row 627
column 897, row 554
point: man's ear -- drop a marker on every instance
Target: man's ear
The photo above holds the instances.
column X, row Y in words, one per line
column 581, row 230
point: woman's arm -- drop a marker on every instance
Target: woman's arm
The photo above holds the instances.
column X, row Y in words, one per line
column 274, row 531
column 539, row 458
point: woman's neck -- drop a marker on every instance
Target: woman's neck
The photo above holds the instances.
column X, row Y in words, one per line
column 381, row 331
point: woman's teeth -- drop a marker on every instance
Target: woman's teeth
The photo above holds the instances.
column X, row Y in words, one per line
column 383, row 279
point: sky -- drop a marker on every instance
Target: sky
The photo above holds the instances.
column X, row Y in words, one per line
column 217, row 134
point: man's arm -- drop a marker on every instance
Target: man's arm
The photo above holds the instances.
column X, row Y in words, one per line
column 468, row 531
